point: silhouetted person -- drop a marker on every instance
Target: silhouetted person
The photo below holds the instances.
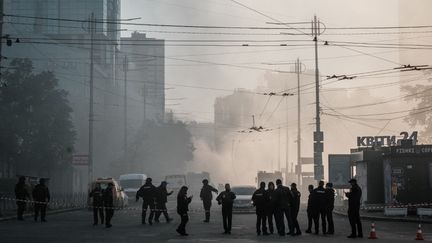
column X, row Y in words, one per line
column 21, row 194
column 354, row 197
column 270, row 209
column 260, row 200
column 97, row 195
column 330, row 206
column 311, row 210
column 161, row 201
column 148, row 194
column 283, row 198
column 183, row 202
column 108, row 201
column 41, row 196
column 295, row 207
column 206, row 196
column 320, row 205
column 226, row 198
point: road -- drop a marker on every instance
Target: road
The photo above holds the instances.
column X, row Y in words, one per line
column 76, row 226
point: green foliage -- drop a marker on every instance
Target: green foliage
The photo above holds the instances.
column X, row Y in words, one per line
column 36, row 131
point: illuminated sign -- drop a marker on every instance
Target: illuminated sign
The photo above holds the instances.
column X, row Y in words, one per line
column 369, row 141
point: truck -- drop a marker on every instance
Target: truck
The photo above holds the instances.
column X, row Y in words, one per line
column 268, row 176
column 131, row 183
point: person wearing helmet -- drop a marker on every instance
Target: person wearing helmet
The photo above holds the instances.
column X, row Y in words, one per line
column 206, row 196
column 148, row 193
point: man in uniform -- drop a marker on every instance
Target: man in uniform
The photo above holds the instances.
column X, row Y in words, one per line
column 330, row 206
column 320, row 205
column 148, row 194
column 283, row 198
column 354, row 197
column 206, row 196
column 161, row 201
column 21, row 195
column 97, row 195
column 108, row 201
column 295, row 207
column 260, row 200
column 226, row 198
column 310, row 209
column 41, row 196
column 271, row 205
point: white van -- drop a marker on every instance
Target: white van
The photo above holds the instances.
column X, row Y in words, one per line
column 131, row 183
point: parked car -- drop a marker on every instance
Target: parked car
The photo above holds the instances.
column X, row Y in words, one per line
column 243, row 202
column 120, row 198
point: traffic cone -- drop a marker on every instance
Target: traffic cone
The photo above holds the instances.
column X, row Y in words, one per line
column 419, row 235
column 372, row 234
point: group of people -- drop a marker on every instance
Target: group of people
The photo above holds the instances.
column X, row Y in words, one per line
column 39, row 195
column 103, row 199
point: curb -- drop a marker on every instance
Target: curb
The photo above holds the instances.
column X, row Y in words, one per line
column 388, row 219
column 51, row 212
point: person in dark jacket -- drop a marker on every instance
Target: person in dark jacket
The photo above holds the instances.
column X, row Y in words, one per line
column 183, row 202
column 148, row 193
column 206, row 196
column 320, row 204
column 108, row 201
column 260, row 200
column 354, row 198
column 270, row 208
column 310, row 209
column 295, row 207
column 226, row 199
column 330, row 206
column 97, row 195
column 41, row 196
column 161, row 201
column 21, row 195
column 283, row 199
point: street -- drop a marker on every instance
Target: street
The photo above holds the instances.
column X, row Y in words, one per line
column 76, row 226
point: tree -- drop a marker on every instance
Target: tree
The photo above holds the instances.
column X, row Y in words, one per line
column 36, row 131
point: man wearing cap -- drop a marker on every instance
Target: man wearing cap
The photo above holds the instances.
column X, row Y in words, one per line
column 320, row 204
column 295, row 207
column 161, row 200
column 354, row 197
column 260, row 200
column 206, row 196
column 148, row 193
column 330, row 194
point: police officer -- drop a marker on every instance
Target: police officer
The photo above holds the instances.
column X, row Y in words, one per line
column 295, row 207
column 97, row 195
column 260, row 200
column 330, row 206
column 271, row 204
column 183, row 202
column 226, row 198
column 148, row 194
column 320, row 205
column 161, row 200
column 283, row 199
column 206, row 196
column 310, row 209
column 354, row 197
column 41, row 196
column 108, row 201
column 21, row 195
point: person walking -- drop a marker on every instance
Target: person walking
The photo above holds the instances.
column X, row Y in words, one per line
column 206, row 196
column 21, row 195
column 161, row 201
column 354, row 198
column 97, row 195
column 270, row 208
column 41, row 196
column 108, row 201
column 226, row 199
column 260, row 200
column 295, row 207
column 310, row 209
column 320, row 204
column 330, row 194
column 148, row 193
column 183, row 202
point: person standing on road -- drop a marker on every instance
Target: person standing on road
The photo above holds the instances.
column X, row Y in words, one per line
column 270, row 208
column 295, row 207
column 97, row 195
column 354, row 197
column 320, row 205
column 260, row 200
column 108, row 201
column 206, row 196
column 41, row 196
column 161, row 201
column 148, row 194
column 21, row 195
column 283, row 199
column 226, row 198
column 330, row 206
column 183, row 202
column 310, row 209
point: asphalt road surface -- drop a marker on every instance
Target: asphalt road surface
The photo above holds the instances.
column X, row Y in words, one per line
column 76, row 226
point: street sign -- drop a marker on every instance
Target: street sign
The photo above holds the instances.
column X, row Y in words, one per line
column 307, row 161
column 318, row 147
column 80, row 159
column 318, row 136
column 319, row 172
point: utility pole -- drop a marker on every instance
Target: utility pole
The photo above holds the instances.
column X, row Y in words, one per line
column 318, row 134
column 1, row 36
column 92, row 28
column 298, row 69
column 279, row 149
column 145, row 101
column 125, row 71
column 287, row 140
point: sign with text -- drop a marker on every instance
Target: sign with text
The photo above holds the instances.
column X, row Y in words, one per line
column 369, row 141
column 80, row 159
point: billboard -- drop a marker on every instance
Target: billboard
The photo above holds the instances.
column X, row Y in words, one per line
column 339, row 170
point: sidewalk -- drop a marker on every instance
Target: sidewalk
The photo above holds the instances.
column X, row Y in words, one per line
column 11, row 215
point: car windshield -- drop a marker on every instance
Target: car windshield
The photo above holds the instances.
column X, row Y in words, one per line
column 132, row 183
column 243, row 190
